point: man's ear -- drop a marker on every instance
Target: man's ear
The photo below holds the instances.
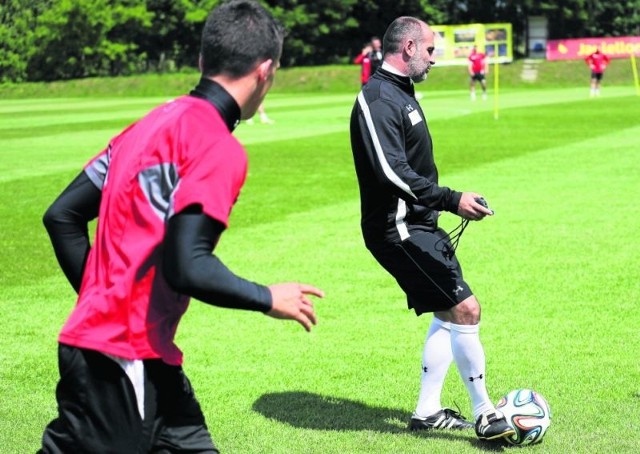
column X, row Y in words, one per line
column 264, row 70
column 410, row 47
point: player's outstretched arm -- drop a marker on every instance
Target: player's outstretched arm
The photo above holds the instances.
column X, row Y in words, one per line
column 291, row 301
column 190, row 268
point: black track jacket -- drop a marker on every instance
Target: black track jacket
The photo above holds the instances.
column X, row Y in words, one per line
column 393, row 156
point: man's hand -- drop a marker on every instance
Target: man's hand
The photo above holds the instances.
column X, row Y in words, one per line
column 468, row 208
column 291, row 301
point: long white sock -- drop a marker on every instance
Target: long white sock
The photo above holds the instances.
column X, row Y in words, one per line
column 469, row 356
column 436, row 359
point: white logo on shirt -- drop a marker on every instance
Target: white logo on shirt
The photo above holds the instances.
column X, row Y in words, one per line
column 415, row 117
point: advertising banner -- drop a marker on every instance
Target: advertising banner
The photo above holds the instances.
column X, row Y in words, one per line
column 455, row 42
column 577, row 49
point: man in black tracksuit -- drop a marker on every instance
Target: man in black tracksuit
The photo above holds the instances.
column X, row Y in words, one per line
column 400, row 203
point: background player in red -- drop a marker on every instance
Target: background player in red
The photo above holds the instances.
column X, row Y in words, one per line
column 370, row 59
column 598, row 62
column 162, row 190
column 478, row 69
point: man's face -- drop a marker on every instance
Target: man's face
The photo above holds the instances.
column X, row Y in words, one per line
column 422, row 60
column 376, row 44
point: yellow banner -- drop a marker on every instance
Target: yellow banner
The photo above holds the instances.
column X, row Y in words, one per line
column 455, row 42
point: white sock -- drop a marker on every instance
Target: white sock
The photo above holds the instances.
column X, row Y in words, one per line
column 469, row 356
column 436, row 359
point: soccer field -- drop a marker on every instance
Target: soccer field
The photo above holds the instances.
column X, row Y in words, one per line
column 556, row 272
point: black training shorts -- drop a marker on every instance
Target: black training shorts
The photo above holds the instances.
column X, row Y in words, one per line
column 596, row 76
column 477, row 76
column 427, row 269
column 97, row 409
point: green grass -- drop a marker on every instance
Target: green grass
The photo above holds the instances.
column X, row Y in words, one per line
column 555, row 270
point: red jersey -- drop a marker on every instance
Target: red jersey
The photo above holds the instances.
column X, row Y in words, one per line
column 597, row 61
column 476, row 60
column 181, row 153
column 365, row 61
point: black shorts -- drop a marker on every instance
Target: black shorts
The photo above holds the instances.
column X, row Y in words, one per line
column 477, row 76
column 426, row 268
column 596, row 76
column 98, row 412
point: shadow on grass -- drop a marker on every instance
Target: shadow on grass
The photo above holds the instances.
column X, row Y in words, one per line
column 312, row 411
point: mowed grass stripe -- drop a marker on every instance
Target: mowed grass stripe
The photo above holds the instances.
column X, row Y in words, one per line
column 53, row 105
column 312, row 168
column 75, row 123
column 64, row 110
column 33, row 157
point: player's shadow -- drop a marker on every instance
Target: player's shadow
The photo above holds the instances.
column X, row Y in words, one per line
column 312, row 411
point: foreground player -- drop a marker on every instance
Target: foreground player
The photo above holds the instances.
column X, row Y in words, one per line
column 162, row 190
column 400, row 203
column 597, row 62
column 478, row 70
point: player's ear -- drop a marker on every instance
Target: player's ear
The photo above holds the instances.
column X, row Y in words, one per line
column 264, row 70
column 410, row 47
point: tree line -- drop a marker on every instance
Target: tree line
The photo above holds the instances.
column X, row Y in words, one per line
column 44, row 40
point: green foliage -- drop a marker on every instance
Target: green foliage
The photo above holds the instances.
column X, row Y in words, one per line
column 17, row 20
column 315, row 29
column 64, row 39
column 585, row 18
column 79, row 38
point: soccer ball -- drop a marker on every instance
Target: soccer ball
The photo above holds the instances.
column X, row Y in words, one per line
column 528, row 413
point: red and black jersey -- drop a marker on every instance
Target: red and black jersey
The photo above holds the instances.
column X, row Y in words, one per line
column 181, row 154
column 477, row 62
column 598, row 62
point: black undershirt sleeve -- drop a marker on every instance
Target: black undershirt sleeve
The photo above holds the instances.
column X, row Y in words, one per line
column 190, row 268
column 66, row 221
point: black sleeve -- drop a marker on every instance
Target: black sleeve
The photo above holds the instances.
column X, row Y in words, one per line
column 190, row 268
column 67, row 221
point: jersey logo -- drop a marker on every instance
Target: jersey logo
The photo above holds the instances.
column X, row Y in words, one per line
column 415, row 117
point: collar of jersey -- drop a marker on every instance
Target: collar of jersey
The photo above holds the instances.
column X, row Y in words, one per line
column 404, row 82
column 220, row 99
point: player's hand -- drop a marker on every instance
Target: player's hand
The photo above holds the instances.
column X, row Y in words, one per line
column 291, row 301
column 468, row 208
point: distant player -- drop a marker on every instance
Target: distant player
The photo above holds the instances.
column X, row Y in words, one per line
column 478, row 69
column 370, row 59
column 598, row 62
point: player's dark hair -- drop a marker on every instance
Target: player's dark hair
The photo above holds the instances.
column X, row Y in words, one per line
column 237, row 36
column 400, row 29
